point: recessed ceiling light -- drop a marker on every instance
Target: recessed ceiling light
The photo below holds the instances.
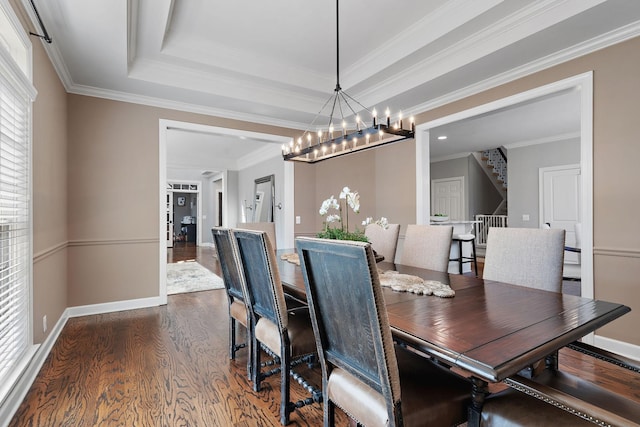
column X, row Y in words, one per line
column 442, row 137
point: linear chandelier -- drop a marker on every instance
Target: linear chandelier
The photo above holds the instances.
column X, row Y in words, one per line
column 327, row 142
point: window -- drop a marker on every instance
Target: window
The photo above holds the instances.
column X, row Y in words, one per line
column 16, row 94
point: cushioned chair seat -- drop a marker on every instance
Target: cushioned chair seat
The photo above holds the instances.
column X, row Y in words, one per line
column 415, row 371
column 300, row 335
column 238, row 311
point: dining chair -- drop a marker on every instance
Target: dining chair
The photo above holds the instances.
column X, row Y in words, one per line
column 267, row 227
column 285, row 333
column 383, row 240
column 372, row 380
column 531, row 257
column 234, row 284
column 427, row 246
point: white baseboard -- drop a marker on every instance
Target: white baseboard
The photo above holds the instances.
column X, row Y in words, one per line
column 625, row 349
column 11, row 404
column 110, row 307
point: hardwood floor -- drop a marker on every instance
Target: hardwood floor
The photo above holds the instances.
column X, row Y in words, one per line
column 169, row 366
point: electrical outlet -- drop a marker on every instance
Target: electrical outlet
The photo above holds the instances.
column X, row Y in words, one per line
column 297, row 219
column 525, row 217
column 44, row 323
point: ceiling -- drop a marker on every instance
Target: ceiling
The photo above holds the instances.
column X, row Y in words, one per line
column 275, row 62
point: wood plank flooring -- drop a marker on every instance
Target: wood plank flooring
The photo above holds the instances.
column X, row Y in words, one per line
column 169, row 366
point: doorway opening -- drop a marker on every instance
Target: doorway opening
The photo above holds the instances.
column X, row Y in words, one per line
column 226, row 188
column 583, row 84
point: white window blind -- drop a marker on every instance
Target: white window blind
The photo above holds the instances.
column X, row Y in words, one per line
column 15, row 240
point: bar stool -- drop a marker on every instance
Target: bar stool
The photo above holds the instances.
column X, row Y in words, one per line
column 466, row 238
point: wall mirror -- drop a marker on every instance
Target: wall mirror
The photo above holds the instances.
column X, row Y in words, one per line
column 263, row 199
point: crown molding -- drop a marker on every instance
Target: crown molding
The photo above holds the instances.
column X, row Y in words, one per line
column 509, row 30
column 556, row 138
column 223, row 84
column 614, row 37
column 267, row 152
column 180, row 106
column 433, row 26
column 597, row 43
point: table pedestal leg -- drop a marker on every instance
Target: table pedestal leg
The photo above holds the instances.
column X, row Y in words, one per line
column 479, row 391
column 551, row 361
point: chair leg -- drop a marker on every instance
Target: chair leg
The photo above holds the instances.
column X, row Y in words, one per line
column 460, row 258
column 475, row 259
column 255, row 364
column 232, row 338
column 285, row 368
column 329, row 413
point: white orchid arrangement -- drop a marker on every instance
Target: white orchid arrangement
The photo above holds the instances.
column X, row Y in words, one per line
column 352, row 201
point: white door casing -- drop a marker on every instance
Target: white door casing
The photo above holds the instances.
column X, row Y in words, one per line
column 447, row 197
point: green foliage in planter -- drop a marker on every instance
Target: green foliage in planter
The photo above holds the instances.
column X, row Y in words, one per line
column 340, row 234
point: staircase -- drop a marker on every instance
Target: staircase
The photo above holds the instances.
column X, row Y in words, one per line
column 494, row 164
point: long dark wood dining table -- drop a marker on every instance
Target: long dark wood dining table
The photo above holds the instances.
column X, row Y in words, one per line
column 490, row 329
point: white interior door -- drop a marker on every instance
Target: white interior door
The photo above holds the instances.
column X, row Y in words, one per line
column 169, row 230
column 447, row 197
column 560, row 201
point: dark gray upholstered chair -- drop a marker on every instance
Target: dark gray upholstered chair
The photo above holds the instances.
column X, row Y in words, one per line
column 233, row 279
column 427, row 246
column 285, row 333
column 363, row 373
column 383, row 240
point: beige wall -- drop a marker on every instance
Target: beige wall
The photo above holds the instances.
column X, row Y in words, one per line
column 113, row 196
column 106, row 154
column 615, row 170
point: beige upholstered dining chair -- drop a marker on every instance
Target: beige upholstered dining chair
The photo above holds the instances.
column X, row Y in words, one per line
column 283, row 332
column 372, row 380
column 427, row 246
column 531, row 257
column 267, row 227
column 384, row 240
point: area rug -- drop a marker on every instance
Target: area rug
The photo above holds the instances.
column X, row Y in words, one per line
column 189, row 276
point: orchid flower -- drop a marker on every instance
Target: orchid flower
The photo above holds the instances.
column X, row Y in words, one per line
column 333, row 218
column 330, row 203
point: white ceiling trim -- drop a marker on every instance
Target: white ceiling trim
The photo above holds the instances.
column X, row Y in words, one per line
column 179, row 106
column 270, row 67
column 132, row 30
column 427, row 30
column 161, row 72
column 556, row 138
column 597, row 43
column 269, row 151
column 524, row 23
column 614, row 37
